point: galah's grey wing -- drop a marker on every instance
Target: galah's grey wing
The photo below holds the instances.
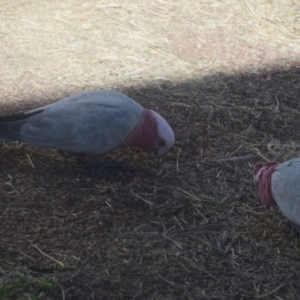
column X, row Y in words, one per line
column 286, row 188
column 92, row 122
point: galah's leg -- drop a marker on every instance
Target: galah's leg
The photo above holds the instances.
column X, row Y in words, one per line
column 99, row 165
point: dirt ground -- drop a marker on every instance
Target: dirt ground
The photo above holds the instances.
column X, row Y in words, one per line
column 189, row 225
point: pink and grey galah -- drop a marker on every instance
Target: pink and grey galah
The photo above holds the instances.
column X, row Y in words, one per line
column 92, row 123
column 279, row 184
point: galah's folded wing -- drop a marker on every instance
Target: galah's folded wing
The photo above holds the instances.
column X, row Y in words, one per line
column 286, row 188
column 83, row 123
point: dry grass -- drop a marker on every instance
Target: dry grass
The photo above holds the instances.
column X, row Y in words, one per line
column 53, row 48
column 189, row 226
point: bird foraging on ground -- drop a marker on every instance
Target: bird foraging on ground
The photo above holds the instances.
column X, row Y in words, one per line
column 279, row 184
column 91, row 123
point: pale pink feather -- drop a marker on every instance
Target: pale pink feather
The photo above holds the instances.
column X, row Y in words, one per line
column 262, row 178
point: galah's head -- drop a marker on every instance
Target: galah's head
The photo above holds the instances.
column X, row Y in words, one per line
column 153, row 134
column 262, row 175
column 165, row 135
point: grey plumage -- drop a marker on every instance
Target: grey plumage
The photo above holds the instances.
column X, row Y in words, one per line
column 92, row 122
column 285, row 184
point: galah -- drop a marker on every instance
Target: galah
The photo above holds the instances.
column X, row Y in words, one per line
column 92, row 123
column 279, row 184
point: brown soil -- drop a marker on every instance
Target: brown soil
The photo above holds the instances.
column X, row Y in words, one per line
column 187, row 226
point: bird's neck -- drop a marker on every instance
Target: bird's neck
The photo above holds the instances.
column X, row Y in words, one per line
column 265, row 184
column 145, row 135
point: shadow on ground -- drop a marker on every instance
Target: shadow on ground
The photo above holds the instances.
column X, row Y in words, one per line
column 188, row 226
